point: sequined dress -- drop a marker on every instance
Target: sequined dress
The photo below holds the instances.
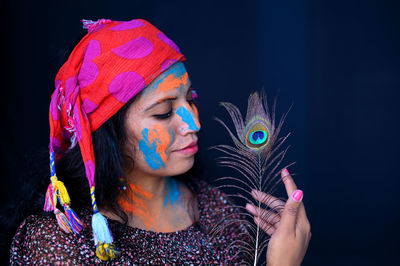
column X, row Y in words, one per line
column 39, row 240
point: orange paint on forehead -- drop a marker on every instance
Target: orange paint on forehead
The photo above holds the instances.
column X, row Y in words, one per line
column 172, row 82
column 162, row 137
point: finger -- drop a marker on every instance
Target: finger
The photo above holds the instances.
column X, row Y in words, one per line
column 287, row 179
column 289, row 214
column 268, row 216
column 266, row 227
column 269, row 200
column 290, row 186
column 302, row 218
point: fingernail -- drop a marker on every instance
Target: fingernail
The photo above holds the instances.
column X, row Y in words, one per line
column 249, row 208
column 297, row 195
column 285, row 171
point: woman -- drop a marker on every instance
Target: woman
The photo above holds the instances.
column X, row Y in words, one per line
column 122, row 116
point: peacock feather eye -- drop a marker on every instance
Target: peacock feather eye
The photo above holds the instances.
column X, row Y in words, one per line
column 257, row 135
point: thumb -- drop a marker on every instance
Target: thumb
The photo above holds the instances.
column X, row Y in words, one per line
column 289, row 215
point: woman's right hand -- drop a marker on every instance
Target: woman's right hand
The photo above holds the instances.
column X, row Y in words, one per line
column 290, row 228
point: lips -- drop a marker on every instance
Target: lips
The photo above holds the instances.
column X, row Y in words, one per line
column 190, row 149
column 192, row 144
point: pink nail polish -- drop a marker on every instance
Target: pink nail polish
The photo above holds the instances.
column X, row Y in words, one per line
column 286, row 171
column 297, row 195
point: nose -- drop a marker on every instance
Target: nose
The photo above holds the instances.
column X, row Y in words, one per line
column 189, row 119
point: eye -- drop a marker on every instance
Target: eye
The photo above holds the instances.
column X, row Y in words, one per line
column 163, row 116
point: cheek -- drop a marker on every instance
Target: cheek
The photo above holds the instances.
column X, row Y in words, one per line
column 154, row 144
column 190, row 117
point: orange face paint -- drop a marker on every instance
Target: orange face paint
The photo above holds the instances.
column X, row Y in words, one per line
column 154, row 145
column 159, row 135
column 171, row 82
column 135, row 201
column 172, row 79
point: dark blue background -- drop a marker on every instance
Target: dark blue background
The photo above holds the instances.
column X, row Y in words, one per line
column 338, row 62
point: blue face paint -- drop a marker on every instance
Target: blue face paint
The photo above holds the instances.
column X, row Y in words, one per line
column 149, row 150
column 172, row 191
column 171, row 135
column 187, row 117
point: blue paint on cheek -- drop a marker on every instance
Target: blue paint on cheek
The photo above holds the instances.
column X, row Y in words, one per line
column 187, row 117
column 171, row 137
column 172, row 191
column 149, row 150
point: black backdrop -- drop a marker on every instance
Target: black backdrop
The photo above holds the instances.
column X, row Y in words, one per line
column 338, row 62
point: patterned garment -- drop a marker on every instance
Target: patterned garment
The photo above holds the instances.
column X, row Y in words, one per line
column 39, row 240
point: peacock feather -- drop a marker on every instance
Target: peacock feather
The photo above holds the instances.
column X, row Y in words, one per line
column 257, row 154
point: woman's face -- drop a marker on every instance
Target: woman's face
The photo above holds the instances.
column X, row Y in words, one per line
column 161, row 123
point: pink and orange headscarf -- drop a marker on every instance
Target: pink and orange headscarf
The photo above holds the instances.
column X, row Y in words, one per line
column 108, row 67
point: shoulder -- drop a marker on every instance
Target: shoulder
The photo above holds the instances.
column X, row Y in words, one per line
column 213, row 197
column 40, row 240
column 225, row 221
column 215, row 204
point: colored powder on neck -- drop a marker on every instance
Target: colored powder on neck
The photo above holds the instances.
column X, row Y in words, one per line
column 172, row 191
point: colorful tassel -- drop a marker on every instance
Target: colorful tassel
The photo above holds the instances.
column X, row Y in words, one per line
column 62, row 221
column 106, row 251
column 101, row 231
column 101, row 252
column 49, row 199
column 69, row 222
column 76, row 224
column 61, row 191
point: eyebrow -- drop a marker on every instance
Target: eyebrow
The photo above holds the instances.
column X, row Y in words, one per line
column 168, row 98
column 160, row 101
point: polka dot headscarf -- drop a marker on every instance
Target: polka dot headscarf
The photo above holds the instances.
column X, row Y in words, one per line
column 108, row 67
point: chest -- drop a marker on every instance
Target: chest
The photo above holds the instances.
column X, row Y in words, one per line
column 170, row 217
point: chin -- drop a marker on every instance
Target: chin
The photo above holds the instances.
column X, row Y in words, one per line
column 182, row 166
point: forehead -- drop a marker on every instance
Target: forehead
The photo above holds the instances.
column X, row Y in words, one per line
column 172, row 81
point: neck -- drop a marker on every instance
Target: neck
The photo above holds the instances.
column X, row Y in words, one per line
column 152, row 186
column 147, row 198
